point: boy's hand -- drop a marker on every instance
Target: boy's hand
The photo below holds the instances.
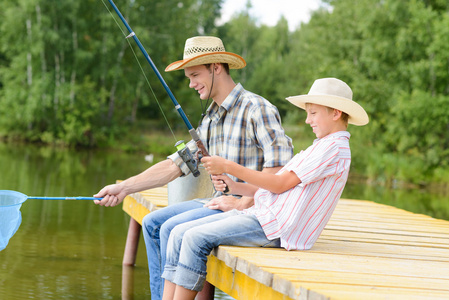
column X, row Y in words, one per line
column 221, row 182
column 214, row 164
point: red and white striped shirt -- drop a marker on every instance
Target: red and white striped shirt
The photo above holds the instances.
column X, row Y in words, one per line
column 298, row 216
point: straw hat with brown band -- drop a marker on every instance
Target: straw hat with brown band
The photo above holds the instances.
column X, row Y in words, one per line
column 201, row 50
column 333, row 93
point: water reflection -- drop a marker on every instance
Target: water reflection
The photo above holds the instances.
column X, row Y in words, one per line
column 127, row 282
column 67, row 249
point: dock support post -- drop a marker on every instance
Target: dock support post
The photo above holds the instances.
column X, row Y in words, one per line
column 207, row 293
column 132, row 242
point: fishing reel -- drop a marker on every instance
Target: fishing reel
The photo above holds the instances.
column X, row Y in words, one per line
column 188, row 158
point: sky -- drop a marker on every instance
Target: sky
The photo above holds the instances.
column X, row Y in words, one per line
column 268, row 12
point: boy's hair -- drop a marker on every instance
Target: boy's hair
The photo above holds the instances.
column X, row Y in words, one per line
column 344, row 116
column 225, row 66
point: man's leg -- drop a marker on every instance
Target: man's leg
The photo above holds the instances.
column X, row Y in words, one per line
column 151, row 225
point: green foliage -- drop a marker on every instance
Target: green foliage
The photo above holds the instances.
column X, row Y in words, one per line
column 68, row 76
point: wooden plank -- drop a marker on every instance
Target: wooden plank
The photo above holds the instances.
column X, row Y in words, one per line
column 336, row 262
column 370, row 237
column 380, row 249
column 355, row 278
column 367, row 251
column 138, row 205
column 293, row 269
column 134, row 209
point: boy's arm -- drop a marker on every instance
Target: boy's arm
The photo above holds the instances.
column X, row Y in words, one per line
column 271, row 182
column 238, row 188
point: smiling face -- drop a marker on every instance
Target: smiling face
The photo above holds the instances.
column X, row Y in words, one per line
column 323, row 120
column 200, row 79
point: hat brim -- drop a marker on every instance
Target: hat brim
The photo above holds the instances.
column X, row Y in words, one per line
column 233, row 60
column 357, row 115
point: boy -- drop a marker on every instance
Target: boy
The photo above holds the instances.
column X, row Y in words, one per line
column 291, row 207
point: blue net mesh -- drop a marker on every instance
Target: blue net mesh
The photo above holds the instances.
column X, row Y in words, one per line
column 10, row 216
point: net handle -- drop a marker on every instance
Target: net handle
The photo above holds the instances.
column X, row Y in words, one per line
column 64, row 198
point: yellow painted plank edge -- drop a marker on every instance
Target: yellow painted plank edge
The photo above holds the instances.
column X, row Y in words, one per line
column 236, row 284
column 136, row 210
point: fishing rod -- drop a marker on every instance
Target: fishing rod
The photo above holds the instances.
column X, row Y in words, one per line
column 183, row 150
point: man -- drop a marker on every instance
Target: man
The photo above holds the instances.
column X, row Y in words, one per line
column 239, row 126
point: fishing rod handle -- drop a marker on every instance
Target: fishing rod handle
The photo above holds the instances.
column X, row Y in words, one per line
column 202, row 150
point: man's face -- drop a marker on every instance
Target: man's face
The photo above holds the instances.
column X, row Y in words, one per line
column 200, row 79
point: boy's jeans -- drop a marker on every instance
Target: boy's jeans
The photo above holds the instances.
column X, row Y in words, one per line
column 156, row 230
column 190, row 243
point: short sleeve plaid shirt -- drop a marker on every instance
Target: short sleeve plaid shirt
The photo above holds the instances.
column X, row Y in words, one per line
column 245, row 129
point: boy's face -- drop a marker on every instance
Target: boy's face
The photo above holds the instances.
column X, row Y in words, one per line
column 321, row 119
column 200, row 79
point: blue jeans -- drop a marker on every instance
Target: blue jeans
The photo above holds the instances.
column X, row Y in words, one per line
column 190, row 243
column 157, row 226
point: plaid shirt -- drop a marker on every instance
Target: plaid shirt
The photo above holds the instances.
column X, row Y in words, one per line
column 245, row 129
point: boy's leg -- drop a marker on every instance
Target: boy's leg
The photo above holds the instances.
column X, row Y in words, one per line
column 167, row 227
column 191, row 243
column 169, row 290
column 151, row 225
column 188, row 216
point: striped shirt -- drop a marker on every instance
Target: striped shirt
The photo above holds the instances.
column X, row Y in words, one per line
column 246, row 129
column 298, row 216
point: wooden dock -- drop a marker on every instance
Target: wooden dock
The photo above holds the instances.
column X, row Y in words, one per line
column 367, row 251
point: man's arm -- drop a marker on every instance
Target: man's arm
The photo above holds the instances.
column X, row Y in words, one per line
column 155, row 176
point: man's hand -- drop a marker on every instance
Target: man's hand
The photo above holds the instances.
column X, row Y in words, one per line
column 112, row 195
column 227, row 203
column 224, row 203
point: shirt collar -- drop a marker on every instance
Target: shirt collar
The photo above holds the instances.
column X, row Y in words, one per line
column 335, row 135
column 216, row 111
column 230, row 100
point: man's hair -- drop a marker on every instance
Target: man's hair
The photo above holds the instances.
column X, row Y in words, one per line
column 225, row 66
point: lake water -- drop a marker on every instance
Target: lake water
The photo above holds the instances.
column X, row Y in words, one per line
column 74, row 249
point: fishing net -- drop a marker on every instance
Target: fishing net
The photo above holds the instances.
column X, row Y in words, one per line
column 10, row 216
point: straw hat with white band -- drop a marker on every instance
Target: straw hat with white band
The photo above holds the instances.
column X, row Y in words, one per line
column 201, row 50
column 334, row 93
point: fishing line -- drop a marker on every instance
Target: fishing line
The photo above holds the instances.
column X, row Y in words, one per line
column 141, row 68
